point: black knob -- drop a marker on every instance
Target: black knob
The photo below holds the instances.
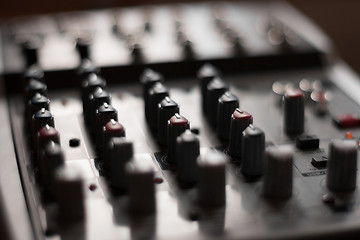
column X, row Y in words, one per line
column 253, row 152
column 166, row 109
column 40, row 119
column 148, row 78
column 112, row 129
column 83, row 44
column 278, row 179
column 119, row 152
column 34, row 87
column 157, row 93
column 187, row 152
column 103, row 115
column 177, row 124
column 206, row 74
column 97, row 98
column 35, row 104
column 227, row 104
column 142, row 196
column 88, row 86
column 50, row 159
column 240, row 120
column 211, row 185
column 87, row 67
column 45, row 135
column 215, row 89
column 294, row 112
column 33, row 72
column 137, row 53
column 342, row 166
column 70, row 194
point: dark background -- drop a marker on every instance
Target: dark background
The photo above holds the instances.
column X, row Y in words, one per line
column 339, row 19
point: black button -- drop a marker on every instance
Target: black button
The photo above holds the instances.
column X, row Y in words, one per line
column 307, row 142
column 74, row 142
column 319, row 162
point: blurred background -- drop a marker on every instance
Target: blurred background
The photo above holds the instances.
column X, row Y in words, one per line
column 339, row 19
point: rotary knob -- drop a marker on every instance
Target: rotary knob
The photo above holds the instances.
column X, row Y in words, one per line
column 96, row 99
column 206, row 74
column 342, row 166
column 156, row 94
column 227, row 104
column 215, row 89
column 104, row 114
column 148, row 78
column 166, row 109
column 294, row 112
column 112, row 129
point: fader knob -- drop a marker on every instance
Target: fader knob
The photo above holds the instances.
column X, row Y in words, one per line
column 112, row 129
column 157, row 93
column 103, row 115
column 253, row 152
column 177, row 124
column 211, row 182
column 240, row 120
column 70, row 194
column 342, row 166
column 51, row 159
column 227, row 104
column 166, row 109
column 148, row 78
column 119, row 152
column 205, row 74
column 278, row 179
column 141, row 187
column 187, row 152
column 215, row 89
column 294, row 112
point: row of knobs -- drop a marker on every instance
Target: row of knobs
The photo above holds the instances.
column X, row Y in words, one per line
column 58, row 183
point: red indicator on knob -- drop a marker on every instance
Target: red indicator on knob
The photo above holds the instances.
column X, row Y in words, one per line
column 347, row 121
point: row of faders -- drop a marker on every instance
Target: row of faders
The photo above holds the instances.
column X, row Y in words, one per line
column 116, row 160
column 61, row 187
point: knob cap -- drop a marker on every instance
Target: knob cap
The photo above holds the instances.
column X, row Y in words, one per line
column 112, row 129
column 166, row 109
column 33, row 72
column 227, row 104
column 103, row 115
column 40, row 119
column 278, row 179
column 187, row 152
column 205, row 74
column 211, row 182
column 141, row 187
column 148, row 78
column 70, row 195
column 35, row 104
column 89, row 84
column 50, row 160
column 240, row 120
column 294, row 112
column 215, row 89
column 45, row 135
column 177, row 124
column 96, row 99
column 253, row 152
column 119, row 152
column 342, row 166
column 157, row 93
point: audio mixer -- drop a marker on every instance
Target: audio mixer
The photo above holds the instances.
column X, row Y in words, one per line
column 217, row 120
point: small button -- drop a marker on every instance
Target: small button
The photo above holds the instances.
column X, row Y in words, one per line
column 319, row 162
column 307, row 142
column 74, row 142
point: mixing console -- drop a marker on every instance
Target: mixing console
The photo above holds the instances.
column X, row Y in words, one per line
column 199, row 121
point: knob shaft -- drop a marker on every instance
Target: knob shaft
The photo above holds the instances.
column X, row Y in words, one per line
column 227, row 104
column 187, row 152
column 278, row 179
column 253, row 152
column 342, row 166
column 240, row 120
column 211, row 185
